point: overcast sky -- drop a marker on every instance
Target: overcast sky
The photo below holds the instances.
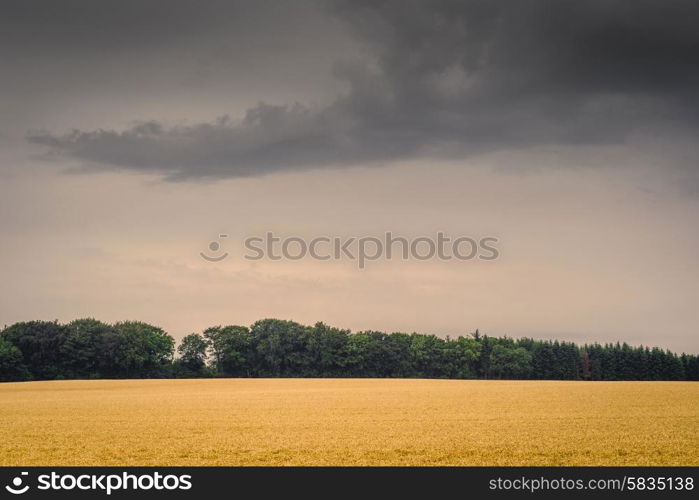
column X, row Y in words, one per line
column 133, row 133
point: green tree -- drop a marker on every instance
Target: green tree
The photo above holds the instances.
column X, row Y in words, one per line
column 85, row 351
column 508, row 361
column 232, row 350
column 428, row 355
column 483, row 363
column 364, row 354
column 192, row 354
column 12, row 366
column 142, row 350
column 281, row 347
column 327, row 350
column 40, row 343
column 462, row 357
column 543, row 361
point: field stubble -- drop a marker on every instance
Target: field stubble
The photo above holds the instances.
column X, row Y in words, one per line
column 348, row 422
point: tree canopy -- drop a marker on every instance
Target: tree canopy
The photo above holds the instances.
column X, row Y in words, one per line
column 88, row 348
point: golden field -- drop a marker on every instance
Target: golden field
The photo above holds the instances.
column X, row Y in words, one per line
column 348, row 422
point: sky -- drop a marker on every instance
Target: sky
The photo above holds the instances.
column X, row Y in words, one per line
column 133, row 134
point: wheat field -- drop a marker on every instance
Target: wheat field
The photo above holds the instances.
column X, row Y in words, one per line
column 348, row 422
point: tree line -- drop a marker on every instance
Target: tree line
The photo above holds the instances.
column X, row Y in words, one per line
column 88, row 348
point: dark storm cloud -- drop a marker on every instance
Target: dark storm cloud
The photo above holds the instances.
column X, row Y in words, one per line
column 445, row 79
column 74, row 28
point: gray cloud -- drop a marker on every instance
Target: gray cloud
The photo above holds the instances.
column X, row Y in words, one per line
column 442, row 78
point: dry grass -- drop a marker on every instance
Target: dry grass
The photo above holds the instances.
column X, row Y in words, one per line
column 348, row 422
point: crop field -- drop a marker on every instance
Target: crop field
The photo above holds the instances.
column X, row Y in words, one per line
column 348, row 422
